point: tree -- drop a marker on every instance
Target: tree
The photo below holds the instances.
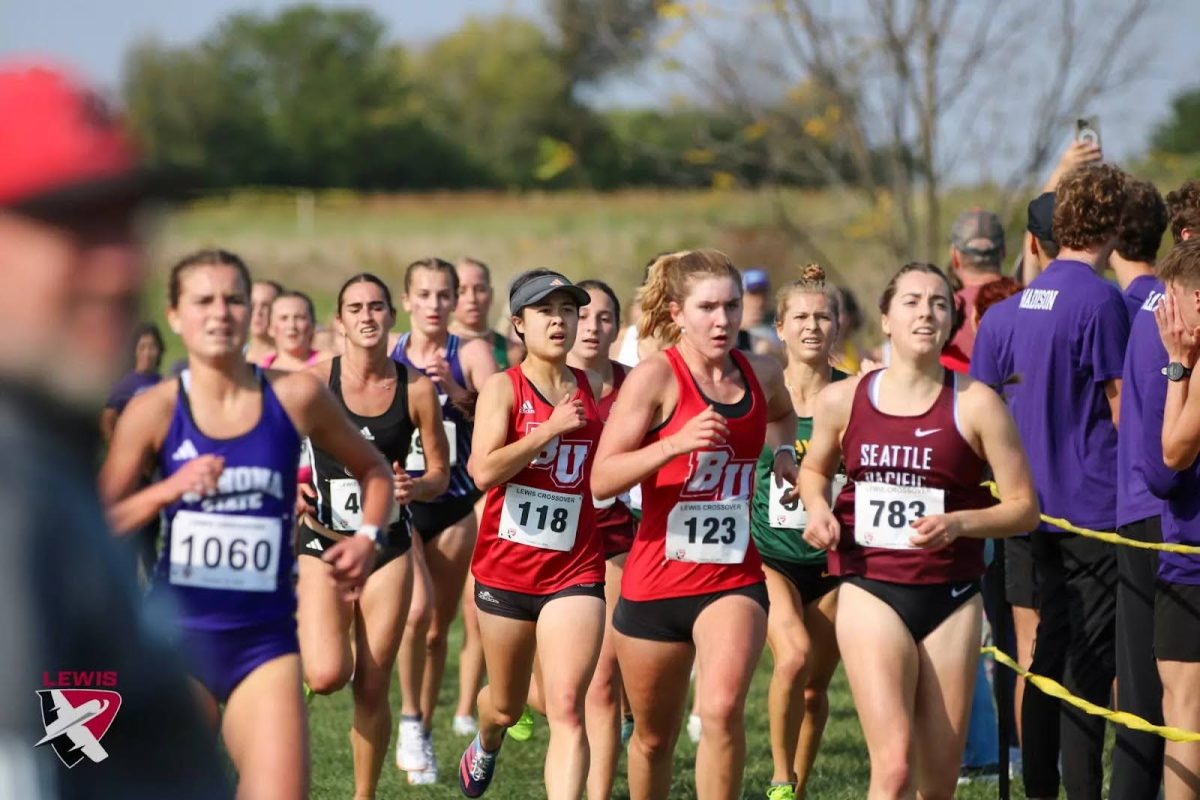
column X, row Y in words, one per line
column 893, row 96
column 1180, row 133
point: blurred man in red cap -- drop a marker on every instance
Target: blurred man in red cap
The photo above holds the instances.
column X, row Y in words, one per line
column 71, row 269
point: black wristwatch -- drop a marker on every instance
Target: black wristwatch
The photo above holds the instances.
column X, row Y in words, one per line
column 1176, row 371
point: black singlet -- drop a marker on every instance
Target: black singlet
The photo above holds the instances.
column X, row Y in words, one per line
column 339, row 501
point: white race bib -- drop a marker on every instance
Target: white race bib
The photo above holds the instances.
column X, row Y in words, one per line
column 884, row 514
column 415, row 462
column 345, row 503
column 792, row 516
column 713, row 532
column 540, row 518
column 225, row 551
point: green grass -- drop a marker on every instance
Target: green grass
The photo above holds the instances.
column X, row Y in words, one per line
column 840, row 774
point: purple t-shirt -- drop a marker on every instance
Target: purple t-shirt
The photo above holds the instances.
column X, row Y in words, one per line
column 991, row 360
column 1068, row 339
column 1143, row 396
column 129, row 387
column 1137, row 291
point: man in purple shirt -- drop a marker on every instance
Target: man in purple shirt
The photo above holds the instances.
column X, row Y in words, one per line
column 1068, row 345
column 1137, row 757
column 1177, row 594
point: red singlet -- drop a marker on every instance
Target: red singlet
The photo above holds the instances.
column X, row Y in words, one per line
column 903, row 468
column 695, row 531
column 614, row 521
column 538, row 531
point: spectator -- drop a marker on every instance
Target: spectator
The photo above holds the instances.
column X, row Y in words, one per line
column 976, row 258
column 848, row 355
column 147, row 359
column 1139, row 234
column 72, row 270
column 757, row 333
column 1068, row 340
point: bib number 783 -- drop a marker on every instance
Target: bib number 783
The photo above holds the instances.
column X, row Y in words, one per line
column 884, row 514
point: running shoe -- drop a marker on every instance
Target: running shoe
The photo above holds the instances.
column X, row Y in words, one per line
column 693, row 727
column 309, row 694
column 989, row 773
column 522, row 731
column 410, row 755
column 781, row 791
column 626, row 730
column 465, row 725
column 429, row 775
column 476, row 769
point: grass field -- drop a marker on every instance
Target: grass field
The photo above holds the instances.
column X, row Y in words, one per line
column 840, row 774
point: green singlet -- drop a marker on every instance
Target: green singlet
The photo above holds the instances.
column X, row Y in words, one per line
column 782, row 544
column 499, row 350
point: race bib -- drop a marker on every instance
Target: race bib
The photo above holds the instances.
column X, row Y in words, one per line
column 345, row 505
column 715, row 532
column 225, row 551
column 415, row 462
column 540, row 518
column 884, row 514
column 792, row 516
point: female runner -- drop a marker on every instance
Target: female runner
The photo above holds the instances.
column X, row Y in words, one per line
column 446, row 525
column 387, row 403
column 908, row 530
column 599, row 322
column 293, row 324
column 226, row 437
column 803, row 595
column 689, row 425
column 538, row 564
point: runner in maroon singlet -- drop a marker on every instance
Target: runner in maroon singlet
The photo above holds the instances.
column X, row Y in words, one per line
column 689, row 425
column 908, row 530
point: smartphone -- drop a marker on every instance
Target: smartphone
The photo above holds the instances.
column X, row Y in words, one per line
column 1087, row 129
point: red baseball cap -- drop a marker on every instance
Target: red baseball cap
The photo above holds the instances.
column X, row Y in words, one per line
column 61, row 148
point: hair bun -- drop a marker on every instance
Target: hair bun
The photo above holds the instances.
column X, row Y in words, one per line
column 813, row 273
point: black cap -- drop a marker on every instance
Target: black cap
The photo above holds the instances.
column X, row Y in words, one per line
column 1041, row 217
column 530, row 291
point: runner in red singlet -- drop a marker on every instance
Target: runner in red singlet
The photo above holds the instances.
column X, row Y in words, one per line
column 917, row 440
column 689, row 425
column 599, row 322
column 538, row 563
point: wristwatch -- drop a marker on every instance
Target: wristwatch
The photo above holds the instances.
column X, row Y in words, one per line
column 373, row 533
column 1176, row 371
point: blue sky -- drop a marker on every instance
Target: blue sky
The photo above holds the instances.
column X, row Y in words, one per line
column 92, row 35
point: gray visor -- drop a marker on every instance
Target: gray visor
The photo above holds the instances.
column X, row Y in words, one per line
column 537, row 289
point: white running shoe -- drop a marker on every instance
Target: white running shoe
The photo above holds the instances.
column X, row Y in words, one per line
column 693, row 727
column 465, row 725
column 410, row 753
column 429, row 775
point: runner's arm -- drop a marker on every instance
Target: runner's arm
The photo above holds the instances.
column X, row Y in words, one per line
column 135, row 441
column 620, row 462
column 492, row 460
column 824, row 454
column 990, row 425
column 426, row 414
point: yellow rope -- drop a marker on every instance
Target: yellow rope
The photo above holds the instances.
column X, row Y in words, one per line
column 1107, row 536
column 1056, row 689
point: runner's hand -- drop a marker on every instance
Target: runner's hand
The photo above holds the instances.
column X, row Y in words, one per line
column 706, row 429
column 442, row 376
column 351, row 559
column 196, row 479
column 1181, row 341
column 568, row 416
column 304, row 493
column 936, row 532
column 402, row 483
column 785, row 470
column 823, row 530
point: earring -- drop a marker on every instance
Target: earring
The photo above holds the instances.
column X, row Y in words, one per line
column 682, row 329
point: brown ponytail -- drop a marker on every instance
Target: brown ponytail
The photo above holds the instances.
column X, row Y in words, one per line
column 668, row 281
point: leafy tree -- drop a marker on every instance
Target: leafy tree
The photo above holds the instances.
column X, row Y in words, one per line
column 1180, row 133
